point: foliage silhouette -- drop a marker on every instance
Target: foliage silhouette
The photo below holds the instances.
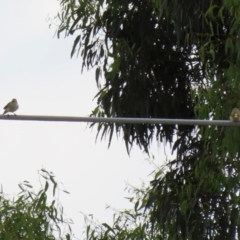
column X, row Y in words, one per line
column 170, row 59
column 30, row 216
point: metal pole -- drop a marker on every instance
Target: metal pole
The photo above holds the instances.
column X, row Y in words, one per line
column 119, row 120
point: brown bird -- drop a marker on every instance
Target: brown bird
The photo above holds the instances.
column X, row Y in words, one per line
column 11, row 107
column 235, row 115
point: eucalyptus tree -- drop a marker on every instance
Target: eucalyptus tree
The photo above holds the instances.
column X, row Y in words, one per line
column 30, row 215
column 170, row 59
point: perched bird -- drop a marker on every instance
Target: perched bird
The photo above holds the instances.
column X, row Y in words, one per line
column 11, row 106
column 235, row 115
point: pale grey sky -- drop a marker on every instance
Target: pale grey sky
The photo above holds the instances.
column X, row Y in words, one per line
column 36, row 69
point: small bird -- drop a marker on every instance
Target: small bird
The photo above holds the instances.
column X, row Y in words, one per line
column 235, row 115
column 11, row 107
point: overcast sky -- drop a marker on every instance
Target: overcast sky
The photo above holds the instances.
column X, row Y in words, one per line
column 36, row 69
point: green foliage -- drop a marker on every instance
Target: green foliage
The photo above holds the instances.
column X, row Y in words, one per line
column 30, row 216
column 177, row 205
column 128, row 224
column 160, row 59
column 147, row 73
column 196, row 203
column 170, row 59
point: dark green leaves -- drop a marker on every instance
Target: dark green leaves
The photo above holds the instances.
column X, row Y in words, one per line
column 76, row 41
column 30, row 216
column 170, row 59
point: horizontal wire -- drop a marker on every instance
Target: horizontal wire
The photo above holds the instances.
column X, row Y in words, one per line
column 120, row 120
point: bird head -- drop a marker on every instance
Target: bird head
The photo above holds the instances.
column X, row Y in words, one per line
column 235, row 113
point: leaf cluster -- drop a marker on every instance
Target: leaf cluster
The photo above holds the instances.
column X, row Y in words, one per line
column 170, row 59
column 148, row 60
column 30, row 216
